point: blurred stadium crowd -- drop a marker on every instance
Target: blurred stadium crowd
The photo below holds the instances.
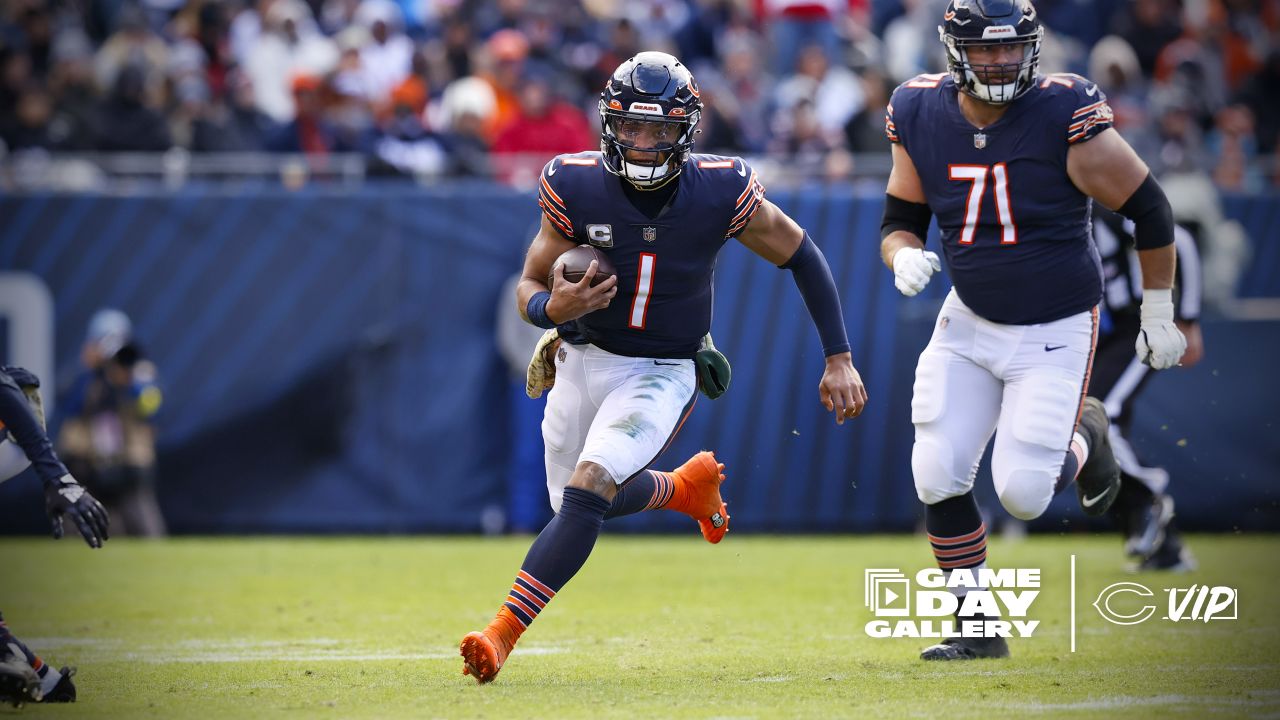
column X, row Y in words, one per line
column 456, row 88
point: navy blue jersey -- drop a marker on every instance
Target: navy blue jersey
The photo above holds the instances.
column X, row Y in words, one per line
column 665, row 264
column 1015, row 230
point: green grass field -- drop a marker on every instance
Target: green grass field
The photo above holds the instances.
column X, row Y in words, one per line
column 757, row 627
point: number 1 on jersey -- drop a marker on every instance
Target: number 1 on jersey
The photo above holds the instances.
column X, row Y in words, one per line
column 977, row 174
column 644, row 288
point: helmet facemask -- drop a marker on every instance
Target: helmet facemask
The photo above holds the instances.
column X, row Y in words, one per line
column 999, row 83
column 647, row 151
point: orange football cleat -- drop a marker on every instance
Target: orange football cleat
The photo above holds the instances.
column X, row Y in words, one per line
column 699, row 495
column 482, row 657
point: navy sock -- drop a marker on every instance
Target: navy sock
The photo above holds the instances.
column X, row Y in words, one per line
column 646, row 491
column 560, row 550
column 957, row 534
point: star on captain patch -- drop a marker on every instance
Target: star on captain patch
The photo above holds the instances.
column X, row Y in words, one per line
column 979, row 140
column 650, row 234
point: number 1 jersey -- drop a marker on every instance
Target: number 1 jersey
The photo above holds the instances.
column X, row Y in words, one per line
column 665, row 264
column 1015, row 231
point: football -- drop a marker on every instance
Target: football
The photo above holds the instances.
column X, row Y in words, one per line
column 576, row 262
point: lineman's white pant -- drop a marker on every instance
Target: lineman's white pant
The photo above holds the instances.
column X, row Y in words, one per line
column 1026, row 383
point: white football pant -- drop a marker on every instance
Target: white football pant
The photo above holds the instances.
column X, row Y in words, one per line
column 1026, row 383
column 618, row 412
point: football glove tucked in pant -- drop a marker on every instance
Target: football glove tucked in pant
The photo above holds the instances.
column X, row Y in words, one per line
column 541, row 375
column 713, row 368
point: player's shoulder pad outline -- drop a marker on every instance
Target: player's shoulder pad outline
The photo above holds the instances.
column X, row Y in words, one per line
column 903, row 99
column 750, row 195
column 925, row 81
column 551, row 184
column 1083, row 103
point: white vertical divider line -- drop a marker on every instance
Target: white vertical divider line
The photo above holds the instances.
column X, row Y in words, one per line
column 1073, row 603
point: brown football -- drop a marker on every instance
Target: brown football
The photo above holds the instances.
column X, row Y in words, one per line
column 576, row 262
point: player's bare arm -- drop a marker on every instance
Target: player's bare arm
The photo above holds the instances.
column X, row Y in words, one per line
column 1108, row 170
column 904, row 184
column 774, row 236
column 568, row 301
column 904, row 227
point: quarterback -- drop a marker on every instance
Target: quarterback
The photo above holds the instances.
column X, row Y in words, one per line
column 624, row 366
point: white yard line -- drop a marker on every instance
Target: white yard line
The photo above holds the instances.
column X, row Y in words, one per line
column 232, row 650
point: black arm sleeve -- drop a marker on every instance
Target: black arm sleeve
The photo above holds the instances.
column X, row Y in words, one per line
column 1151, row 214
column 902, row 214
column 22, row 424
column 809, row 269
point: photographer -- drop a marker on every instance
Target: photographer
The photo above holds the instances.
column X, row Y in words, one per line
column 106, row 438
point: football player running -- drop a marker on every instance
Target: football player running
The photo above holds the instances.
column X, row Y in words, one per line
column 624, row 368
column 1009, row 162
column 24, row 677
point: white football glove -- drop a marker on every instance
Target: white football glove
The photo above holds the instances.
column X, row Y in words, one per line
column 541, row 375
column 912, row 268
column 1160, row 343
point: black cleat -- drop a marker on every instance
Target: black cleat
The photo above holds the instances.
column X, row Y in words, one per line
column 65, row 690
column 19, row 684
column 967, row 649
column 1171, row 557
column 1147, row 527
column 1098, row 482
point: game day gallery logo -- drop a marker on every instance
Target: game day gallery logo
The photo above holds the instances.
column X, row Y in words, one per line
column 929, row 608
column 997, row 603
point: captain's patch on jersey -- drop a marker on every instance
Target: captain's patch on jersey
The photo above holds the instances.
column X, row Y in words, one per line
column 600, row 235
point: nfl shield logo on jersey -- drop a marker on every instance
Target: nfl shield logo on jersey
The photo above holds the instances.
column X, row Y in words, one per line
column 979, row 140
column 650, row 234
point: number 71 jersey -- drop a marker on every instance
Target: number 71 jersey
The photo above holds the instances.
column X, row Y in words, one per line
column 1015, row 230
column 665, row 264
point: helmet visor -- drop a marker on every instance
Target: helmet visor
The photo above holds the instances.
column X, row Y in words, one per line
column 646, row 141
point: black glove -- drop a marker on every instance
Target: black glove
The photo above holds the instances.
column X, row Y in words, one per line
column 68, row 497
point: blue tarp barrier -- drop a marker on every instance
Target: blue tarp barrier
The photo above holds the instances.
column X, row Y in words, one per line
column 329, row 365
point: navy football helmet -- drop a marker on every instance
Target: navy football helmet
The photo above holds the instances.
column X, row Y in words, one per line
column 650, row 105
column 969, row 23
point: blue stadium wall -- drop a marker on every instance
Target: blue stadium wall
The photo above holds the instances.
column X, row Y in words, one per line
column 329, row 365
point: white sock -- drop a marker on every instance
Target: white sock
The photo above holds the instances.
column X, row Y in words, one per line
column 1079, row 441
column 50, row 679
column 960, row 592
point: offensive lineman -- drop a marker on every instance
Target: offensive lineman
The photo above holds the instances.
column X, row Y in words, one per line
column 1008, row 161
column 624, row 371
column 23, row 443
